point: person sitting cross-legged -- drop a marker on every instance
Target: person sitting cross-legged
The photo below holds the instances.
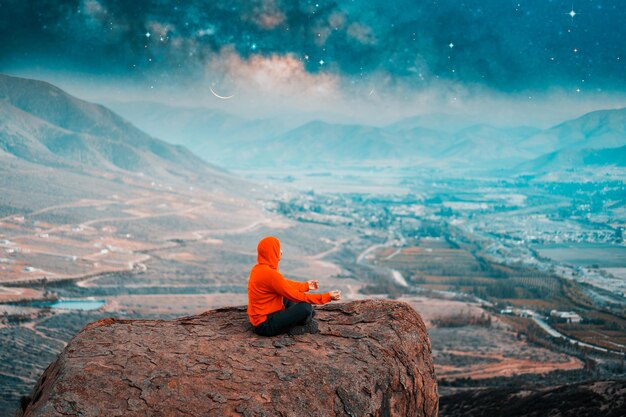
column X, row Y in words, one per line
column 277, row 305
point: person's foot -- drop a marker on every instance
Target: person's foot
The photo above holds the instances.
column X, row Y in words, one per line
column 307, row 320
column 310, row 327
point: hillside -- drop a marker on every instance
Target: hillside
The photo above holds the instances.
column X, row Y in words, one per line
column 438, row 121
column 207, row 132
column 319, row 143
column 330, row 144
column 595, row 130
column 569, row 159
column 41, row 123
column 485, row 144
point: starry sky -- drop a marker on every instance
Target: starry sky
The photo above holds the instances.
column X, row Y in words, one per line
column 379, row 57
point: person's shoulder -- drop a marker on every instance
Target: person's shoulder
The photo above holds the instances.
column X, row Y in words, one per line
column 262, row 269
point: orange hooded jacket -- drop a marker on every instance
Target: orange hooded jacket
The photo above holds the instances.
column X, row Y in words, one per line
column 267, row 286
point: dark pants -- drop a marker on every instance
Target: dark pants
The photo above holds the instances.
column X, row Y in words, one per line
column 281, row 321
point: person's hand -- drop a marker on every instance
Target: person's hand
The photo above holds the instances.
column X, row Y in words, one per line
column 335, row 295
column 313, row 284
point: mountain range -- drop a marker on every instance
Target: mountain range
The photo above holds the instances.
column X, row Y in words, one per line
column 428, row 140
column 40, row 123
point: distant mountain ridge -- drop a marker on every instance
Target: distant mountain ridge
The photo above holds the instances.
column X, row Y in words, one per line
column 437, row 140
column 225, row 139
column 595, row 130
column 320, row 142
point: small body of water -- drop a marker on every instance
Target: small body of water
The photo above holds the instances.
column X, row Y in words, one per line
column 83, row 304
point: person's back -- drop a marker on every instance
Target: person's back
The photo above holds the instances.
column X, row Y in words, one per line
column 263, row 292
column 276, row 304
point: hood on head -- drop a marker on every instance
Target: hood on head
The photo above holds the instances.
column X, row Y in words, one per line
column 268, row 251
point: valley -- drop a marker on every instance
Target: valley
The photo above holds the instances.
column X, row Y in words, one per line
column 519, row 276
column 476, row 244
column 482, row 294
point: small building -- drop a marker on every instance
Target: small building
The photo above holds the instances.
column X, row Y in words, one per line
column 512, row 311
column 526, row 313
column 567, row 316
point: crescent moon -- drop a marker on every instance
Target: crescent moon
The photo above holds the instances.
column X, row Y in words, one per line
column 218, row 96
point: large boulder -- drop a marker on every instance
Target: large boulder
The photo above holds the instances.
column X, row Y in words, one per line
column 370, row 358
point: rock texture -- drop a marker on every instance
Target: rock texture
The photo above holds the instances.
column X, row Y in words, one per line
column 371, row 358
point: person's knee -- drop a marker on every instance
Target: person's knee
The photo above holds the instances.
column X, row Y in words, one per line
column 306, row 307
column 304, row 310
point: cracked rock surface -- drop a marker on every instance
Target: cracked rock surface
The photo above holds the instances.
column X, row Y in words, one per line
column 371, row 358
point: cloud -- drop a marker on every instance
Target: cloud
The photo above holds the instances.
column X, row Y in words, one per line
column 501, row 45
column 93, row 8
column 277, row 75
column 361, row 33
column 265, row 13
column 258, row 47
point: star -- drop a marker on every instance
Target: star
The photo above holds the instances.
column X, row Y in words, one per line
column 321, row 62
column 147, row 34
column 253, row 46
column 572, row 13
column 578, row 90
column 451, row 45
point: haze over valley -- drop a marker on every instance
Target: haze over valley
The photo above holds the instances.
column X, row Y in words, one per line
column 467, row 159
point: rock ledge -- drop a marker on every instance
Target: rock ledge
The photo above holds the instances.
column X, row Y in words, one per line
column 371, row 358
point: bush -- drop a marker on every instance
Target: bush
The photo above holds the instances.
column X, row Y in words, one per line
column 463, row 319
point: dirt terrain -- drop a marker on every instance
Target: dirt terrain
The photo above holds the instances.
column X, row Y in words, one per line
column 479, row 352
